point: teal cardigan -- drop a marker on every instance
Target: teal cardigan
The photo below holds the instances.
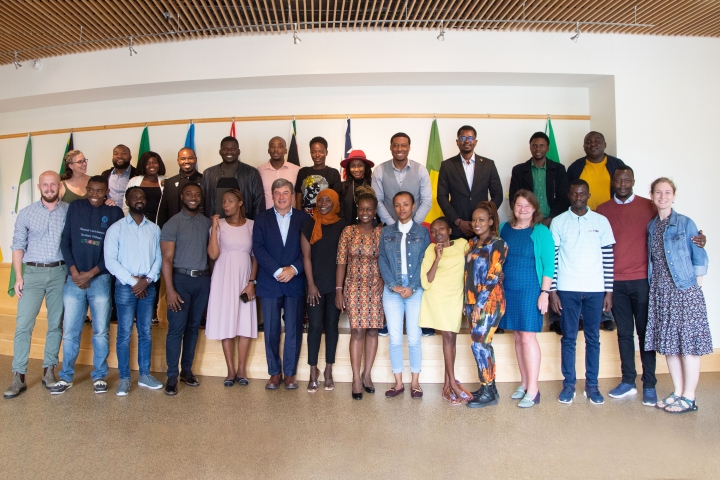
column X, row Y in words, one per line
column 544, row 249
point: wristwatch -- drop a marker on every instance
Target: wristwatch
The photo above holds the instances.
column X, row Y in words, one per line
column 252, row 281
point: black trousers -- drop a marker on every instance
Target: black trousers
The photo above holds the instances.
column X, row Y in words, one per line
column 323, row 315
column 630, row 309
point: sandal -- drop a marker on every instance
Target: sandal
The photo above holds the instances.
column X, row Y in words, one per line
column 329, row 384
column 465, row 392
column 312, row 387
column 669, row 400
column 449, row 395
column 682, row 405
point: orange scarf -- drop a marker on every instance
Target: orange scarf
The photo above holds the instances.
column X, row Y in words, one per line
column 327, row 219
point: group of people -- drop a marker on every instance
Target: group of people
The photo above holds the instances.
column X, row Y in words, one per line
column 310, row 242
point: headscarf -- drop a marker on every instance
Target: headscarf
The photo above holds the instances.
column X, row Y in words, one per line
column 328, row 218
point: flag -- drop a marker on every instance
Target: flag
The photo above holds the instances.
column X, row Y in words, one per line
column 293, row 156
column 144, row 142
column 190, row 137
column 23, row 199
column 348, row 140
column 232, row 129
column 69, row 146
column 434, row 159
column 552, row 153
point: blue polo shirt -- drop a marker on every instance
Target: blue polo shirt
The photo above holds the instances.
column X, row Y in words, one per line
column 578, row 243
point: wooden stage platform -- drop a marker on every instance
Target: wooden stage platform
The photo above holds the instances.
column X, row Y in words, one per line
column 209, row 359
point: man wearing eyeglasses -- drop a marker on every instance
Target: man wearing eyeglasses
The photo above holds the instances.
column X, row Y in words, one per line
column 466, row 180
column 170, row 203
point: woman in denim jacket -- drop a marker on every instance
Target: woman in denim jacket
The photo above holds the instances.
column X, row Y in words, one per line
column 402, row 248
column 677, row 316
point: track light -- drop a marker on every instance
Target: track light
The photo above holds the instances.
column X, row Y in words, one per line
column 15, row 62
column 37, row 64
column 132, row 50
column 575, row 37
column 441, row 37
column 296, row 39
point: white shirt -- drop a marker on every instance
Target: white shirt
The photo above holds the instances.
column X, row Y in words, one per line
column 404, row 229
column 284, row 226
column 620, row 202
column 469, row 169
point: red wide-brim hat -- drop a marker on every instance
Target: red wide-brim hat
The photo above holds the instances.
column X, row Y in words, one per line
column 356, row 155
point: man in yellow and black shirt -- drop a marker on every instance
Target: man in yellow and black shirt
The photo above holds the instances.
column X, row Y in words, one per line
column 596, row 168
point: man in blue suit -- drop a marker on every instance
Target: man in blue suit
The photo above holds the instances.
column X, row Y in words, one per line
column 280, row 282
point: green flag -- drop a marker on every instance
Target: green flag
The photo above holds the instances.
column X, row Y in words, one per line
column 23, row 198
column 552, row 153
column 144, row 143
column 434, row 159
column 68, row 146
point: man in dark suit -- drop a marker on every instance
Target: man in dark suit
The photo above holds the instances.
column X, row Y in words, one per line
column 170, row 203
column 465, row 181
column 552, row 187
column 281, row 282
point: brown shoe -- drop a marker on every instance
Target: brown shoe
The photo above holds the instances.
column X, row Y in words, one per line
column 273, row 383
column 290, row 382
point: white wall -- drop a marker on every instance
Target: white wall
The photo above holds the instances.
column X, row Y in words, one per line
column 665, row 100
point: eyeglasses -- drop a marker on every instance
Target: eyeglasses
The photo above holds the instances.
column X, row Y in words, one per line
column 84, row 161
column 466, row 139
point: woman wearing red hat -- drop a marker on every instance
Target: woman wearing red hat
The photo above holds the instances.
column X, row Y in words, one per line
column 357, row 171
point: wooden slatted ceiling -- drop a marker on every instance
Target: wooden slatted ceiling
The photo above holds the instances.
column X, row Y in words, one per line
column 49, row 23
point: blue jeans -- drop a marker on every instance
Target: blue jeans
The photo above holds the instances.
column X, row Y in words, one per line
column 184, row 324
column 396, row 308
column 590, row 305
column 76, row 301
column 129, row 307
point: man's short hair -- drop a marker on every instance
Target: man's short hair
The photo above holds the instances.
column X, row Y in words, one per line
column 319, row 140
column 130, row 189
column 280, row 183
column 229, row 139
column 99, row 179
column 625, row 168
column 467, row 127
column 540, row 135
column 596, row 133
column 579, row 182
column 190, row 184
column 400, row 134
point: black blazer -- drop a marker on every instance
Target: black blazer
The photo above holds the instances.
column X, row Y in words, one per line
column 453, row 192
column 556, row 184
column 170, row 203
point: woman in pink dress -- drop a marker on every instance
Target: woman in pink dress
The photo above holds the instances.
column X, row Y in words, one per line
column 231, row 307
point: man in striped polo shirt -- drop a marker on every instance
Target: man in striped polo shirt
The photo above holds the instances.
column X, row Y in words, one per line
column 582, row 284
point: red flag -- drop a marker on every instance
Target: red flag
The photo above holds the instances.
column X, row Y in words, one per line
column 232, row 129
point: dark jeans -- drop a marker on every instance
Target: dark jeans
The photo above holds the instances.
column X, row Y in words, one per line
column 272, row 309
column 323, row 315
column 184, row 324
column 589, row 304
column 630, row 308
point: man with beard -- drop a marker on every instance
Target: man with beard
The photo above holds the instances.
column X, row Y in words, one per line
column 276, row 168
column 36, row 244
column 232, row 173
column 170, row 203
column 121, row 173
column 82, row 242
column 465, row 180
column 186, row 272
column 132, row 255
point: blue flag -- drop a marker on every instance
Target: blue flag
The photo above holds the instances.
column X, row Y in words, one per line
column 190, row 138
column 348, row 140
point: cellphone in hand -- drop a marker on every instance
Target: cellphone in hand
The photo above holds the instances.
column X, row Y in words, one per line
column 244, row 298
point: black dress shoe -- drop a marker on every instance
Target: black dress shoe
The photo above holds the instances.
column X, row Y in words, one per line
column 555, row 327
column 368, row 389
column 485, row 398
column 357, row 396
column 171, row 386
column 189, row 379
column 609, row 325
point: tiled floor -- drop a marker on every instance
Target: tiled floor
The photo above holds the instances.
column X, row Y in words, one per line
column 248, row 432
